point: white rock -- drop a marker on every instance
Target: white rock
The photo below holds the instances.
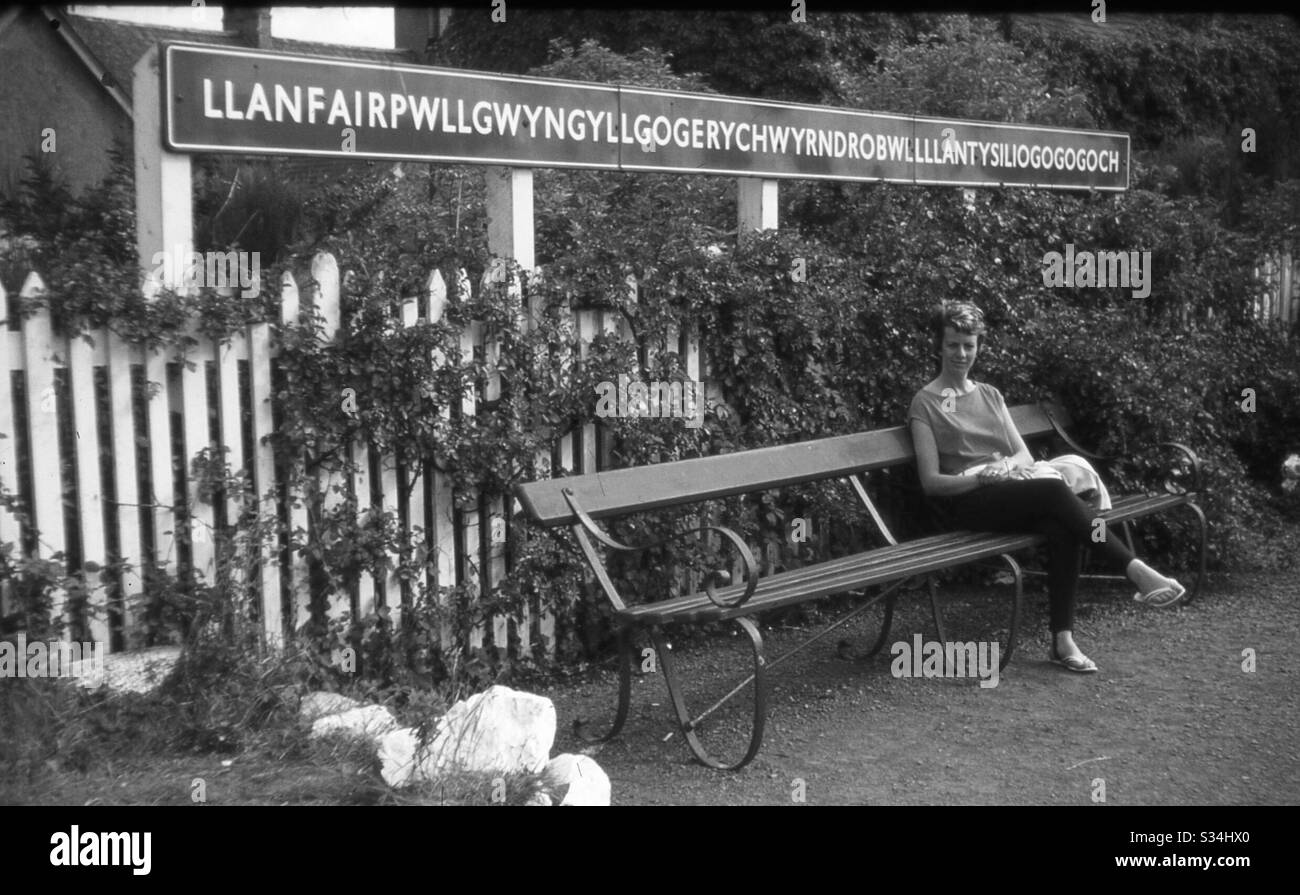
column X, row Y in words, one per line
column 319, row 704
column 137, row 671
column 369, row 721
column 397, row 759
column 500, row 731
column 578, row 778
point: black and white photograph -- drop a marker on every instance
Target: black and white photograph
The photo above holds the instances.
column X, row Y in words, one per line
column 505, row 404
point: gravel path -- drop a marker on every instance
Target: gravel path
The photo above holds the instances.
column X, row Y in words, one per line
column 1172, row 717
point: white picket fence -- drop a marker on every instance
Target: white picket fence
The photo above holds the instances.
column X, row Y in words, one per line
column 33, row 349
column 133, row 506
column 1279, row 295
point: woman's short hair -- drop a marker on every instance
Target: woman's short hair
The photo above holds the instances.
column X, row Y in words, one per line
column 962, row 316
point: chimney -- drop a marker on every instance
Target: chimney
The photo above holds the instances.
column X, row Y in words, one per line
column 418, row 30
column 251, row 24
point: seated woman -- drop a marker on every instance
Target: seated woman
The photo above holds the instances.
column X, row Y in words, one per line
column 958, row 424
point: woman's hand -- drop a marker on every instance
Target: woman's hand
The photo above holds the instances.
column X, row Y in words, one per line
column 993, row 473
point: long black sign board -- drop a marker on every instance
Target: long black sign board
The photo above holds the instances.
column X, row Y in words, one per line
column 250, row 101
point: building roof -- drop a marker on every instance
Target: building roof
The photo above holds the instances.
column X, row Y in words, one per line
column 119, row 45
column 110, row 49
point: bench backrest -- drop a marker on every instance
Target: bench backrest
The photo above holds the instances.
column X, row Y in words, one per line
column 642, row 488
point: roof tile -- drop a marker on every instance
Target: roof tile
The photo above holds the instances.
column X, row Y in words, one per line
column 119, row 45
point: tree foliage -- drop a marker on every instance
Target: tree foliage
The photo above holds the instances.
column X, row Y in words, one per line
column 840, row 348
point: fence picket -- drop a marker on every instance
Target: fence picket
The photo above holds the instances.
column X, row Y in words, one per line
column 265, row 486
column 411, row 483
column 323, row 299
column 472, row 560
column 90, row 512
column 231, row 423
column 612, row 324
column 1278, row 288
column 13, row 347
column 586, row 332
column 388, row 493
column 299, row 518
column 495, row 562
column 1285, row 281
column 40, row 353
column 361, row 484
column 197, row 435
column 163, row 496
column 689, row 348
column 442, row 515
column 10, row 530
column 546, row 615
column 122, row 356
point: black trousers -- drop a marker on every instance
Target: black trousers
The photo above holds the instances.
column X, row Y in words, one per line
column 1041, row 506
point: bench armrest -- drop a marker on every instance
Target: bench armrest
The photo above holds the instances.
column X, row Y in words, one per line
column 710, row 580
column 1074, row 445
column 1188, row 453
column 1190, row 456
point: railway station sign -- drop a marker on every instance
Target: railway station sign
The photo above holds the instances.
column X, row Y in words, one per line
column 218, row 99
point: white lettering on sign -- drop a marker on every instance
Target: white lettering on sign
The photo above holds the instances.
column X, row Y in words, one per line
column 392, row 111
column 499, row 119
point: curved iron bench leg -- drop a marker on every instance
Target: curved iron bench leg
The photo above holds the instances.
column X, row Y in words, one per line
column 1017, row 601
column 1017, row 604
column 885, row 624
column 624, row 694
column 689, row 725
column 1205, row 537
column 845, row 647
column 935, row 611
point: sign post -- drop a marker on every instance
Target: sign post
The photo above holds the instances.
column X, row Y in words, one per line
column 164, row 223
column 756, row 204
column 163, row 205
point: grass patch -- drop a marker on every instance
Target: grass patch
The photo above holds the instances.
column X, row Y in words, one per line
column 221, row 728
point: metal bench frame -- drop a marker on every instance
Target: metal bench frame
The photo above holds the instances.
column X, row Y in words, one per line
column 580, row 501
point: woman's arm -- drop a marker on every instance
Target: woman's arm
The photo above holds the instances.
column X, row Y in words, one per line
column 933, row 482
column 1021, row 457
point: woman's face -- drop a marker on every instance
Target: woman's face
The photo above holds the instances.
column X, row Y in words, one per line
column 958, row 350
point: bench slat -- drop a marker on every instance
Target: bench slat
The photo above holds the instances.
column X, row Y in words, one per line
column 1134, row 506
column 644, row 488
column 869, row 570
column 826, row 569
column 879, row 566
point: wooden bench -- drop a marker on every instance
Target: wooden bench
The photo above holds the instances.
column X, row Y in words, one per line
column 583, row 501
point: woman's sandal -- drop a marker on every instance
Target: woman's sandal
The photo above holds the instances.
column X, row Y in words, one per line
column 1161, row 597
column 1078, row 663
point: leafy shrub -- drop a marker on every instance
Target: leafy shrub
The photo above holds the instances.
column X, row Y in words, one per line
column 814, row 330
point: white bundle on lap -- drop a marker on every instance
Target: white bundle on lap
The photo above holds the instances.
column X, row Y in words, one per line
column 1074, row 470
